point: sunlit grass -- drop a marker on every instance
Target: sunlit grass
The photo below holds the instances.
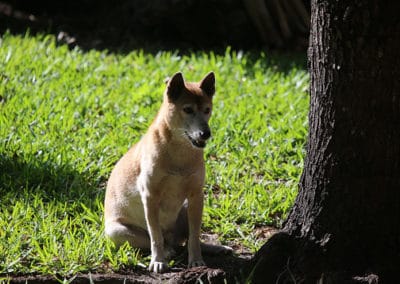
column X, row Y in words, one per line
column 66, row 117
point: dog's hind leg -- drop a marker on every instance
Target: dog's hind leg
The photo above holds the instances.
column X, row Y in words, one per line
column 181, row 228
column 120, row 233
column 181, row 234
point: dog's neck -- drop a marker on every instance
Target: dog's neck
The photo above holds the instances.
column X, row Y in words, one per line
column 179, row 156
column 183, row 159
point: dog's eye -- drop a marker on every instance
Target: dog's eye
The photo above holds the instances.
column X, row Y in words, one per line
column 207, row 110
column 188, row 110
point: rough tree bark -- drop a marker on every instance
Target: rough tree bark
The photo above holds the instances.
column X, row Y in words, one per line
column 345, row 224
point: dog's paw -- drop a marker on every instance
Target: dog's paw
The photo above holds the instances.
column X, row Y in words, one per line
column 196, row 263
column 158, row 266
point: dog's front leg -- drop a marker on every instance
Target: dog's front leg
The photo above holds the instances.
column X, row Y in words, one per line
column 151, row 211
column 195, row 211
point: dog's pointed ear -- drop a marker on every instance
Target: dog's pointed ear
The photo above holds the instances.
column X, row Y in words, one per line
column 208, row 84
column 175, row 86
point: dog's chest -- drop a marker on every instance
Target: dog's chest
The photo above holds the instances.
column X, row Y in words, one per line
column 175, row 189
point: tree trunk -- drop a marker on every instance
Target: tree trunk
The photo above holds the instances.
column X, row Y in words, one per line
column 345, row 224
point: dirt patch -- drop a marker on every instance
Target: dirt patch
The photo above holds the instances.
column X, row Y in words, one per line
column 221, row 269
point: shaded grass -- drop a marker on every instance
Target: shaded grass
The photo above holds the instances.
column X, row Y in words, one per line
column 66, row 117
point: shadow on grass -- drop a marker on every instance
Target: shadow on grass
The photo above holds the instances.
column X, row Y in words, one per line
column 55, row 182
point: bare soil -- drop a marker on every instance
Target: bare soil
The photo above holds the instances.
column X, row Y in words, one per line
column 221, row 269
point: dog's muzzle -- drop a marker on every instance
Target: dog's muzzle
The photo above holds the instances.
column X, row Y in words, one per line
column 199, row 138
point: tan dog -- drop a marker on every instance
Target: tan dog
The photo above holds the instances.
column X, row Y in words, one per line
column 154, row 196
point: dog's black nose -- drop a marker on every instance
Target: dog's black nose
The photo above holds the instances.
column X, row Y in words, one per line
column 205, row 134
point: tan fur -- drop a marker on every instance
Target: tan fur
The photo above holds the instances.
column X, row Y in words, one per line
column 154, row 194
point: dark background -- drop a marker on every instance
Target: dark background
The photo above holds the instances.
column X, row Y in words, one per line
column 149, row 24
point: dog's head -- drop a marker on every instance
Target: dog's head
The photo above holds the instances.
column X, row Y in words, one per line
column 190, row 107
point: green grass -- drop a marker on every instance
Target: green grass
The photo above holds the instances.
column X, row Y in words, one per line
column 66, row 117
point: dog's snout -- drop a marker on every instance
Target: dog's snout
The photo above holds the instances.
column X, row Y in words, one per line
column 205, row 134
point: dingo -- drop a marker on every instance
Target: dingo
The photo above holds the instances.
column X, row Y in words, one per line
column 154, row 196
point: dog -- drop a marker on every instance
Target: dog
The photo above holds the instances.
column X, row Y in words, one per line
column 154, row 196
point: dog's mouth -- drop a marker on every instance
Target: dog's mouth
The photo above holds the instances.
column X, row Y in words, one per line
column 199, row 143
